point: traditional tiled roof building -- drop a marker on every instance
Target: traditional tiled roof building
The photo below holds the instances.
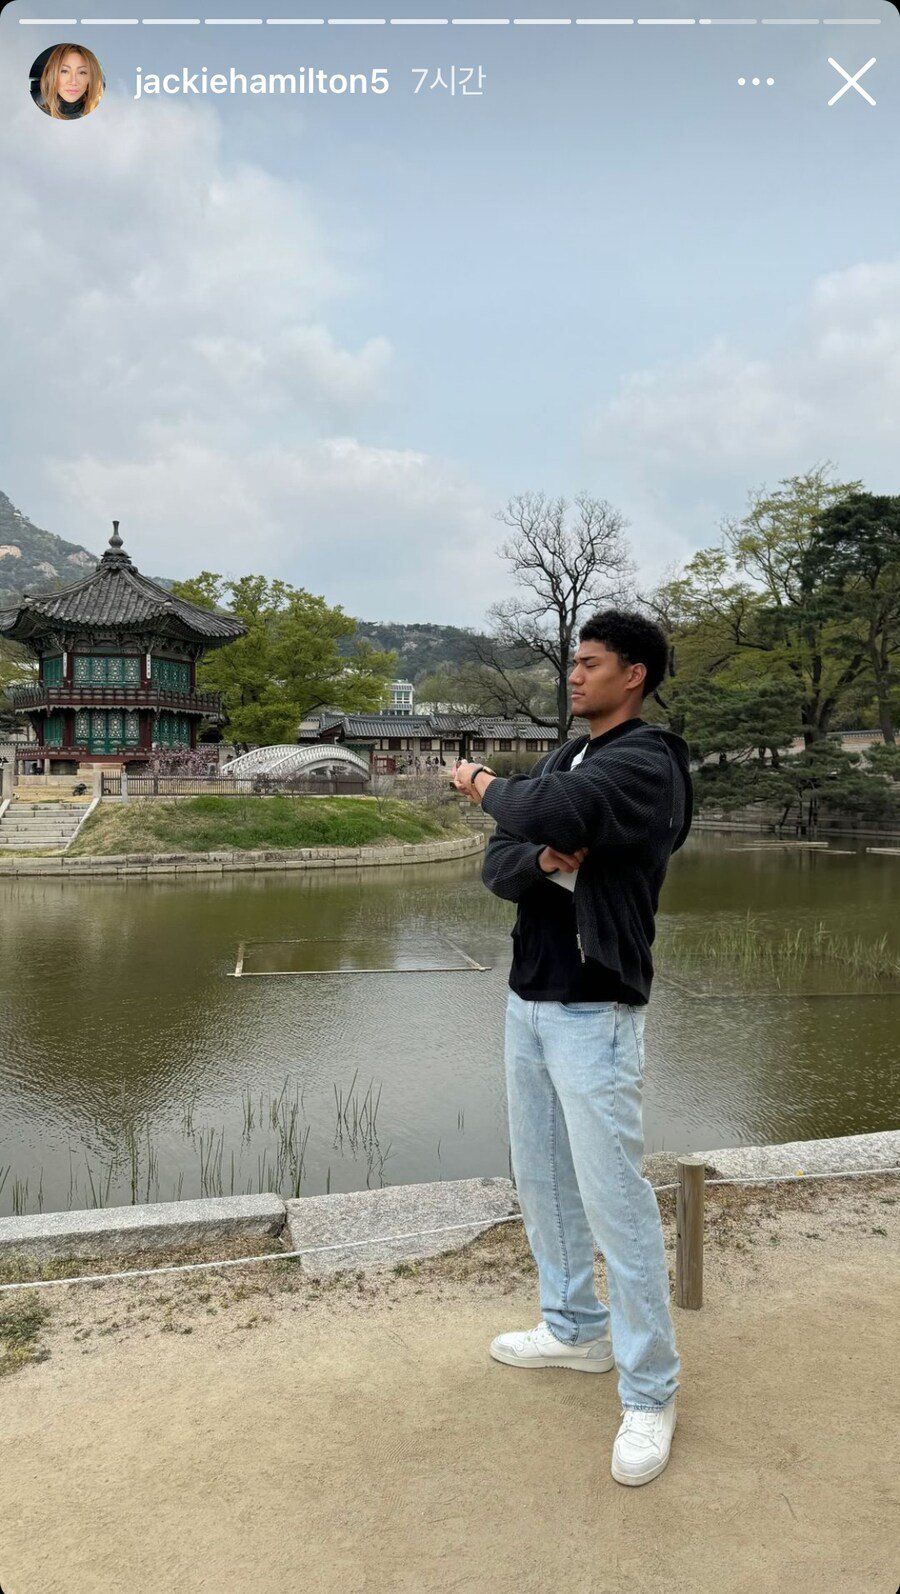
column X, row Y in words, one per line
column 117, row 656
column 395, row 741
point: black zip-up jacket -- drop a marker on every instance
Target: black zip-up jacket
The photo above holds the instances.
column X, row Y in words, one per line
column 631, row 805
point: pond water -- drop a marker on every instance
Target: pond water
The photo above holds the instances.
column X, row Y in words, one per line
column 135, row 1065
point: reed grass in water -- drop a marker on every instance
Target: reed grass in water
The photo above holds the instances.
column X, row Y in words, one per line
column 132, row 1171
column 748, row 950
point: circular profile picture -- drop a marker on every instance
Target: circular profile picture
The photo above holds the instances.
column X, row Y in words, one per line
column 67, row 82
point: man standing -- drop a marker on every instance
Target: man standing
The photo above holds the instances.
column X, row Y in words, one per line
column 582, row 846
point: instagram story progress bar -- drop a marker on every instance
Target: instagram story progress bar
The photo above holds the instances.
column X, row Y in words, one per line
column 450, row 22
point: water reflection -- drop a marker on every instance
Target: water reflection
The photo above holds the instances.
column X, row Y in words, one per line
column 123, row 1029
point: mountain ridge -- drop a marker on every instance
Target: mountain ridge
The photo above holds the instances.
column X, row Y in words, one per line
column 32, row 558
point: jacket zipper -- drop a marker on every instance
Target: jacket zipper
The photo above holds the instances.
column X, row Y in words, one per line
column 577, row 931
column 575, row 890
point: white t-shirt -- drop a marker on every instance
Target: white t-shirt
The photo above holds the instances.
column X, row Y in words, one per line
column 567, row 880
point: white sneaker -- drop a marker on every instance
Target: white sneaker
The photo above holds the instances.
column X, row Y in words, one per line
column 643, row 1443
column 538, row 1347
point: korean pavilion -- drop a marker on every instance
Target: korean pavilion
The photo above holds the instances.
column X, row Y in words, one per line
column 117, row 656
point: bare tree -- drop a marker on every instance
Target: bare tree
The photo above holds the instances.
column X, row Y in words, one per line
column 567, row 560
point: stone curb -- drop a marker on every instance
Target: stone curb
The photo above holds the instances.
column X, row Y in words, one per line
column 140, row 865
column 402, row 1210
column 397, row 1210
column 157, row 1225
column 839, row 1155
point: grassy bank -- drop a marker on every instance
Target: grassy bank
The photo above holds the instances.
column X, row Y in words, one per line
column 218, row 824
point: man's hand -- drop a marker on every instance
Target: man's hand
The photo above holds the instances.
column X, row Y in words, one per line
column 462, row 779
column 566, row 862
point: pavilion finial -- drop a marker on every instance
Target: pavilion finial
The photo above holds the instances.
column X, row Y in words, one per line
column 114, row 557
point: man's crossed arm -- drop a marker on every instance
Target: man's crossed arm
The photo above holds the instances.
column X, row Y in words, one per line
column 613, row 803
column 510, row 865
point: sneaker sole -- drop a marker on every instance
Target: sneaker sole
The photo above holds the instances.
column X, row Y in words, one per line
column 596, row 1364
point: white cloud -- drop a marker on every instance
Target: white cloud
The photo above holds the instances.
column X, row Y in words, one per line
column 689, row 438
column 165, row 313
column 682, row 442
column 389, row 533
column 150, row 276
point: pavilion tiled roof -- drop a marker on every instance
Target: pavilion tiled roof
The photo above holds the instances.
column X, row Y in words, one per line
column 116, row 594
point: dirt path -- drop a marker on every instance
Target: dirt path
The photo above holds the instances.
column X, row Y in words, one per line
column 247, row 1430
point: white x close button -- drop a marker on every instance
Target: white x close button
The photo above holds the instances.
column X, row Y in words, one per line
column 852, row 80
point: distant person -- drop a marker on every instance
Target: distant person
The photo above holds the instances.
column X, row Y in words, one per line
column 599, row 816
column 69, row 84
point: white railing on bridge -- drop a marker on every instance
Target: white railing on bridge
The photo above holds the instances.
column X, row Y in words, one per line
column 289, row 759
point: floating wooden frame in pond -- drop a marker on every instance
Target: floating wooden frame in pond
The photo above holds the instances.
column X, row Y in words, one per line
column 307, row 955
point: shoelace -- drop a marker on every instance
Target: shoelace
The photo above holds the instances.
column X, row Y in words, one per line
column 643, row 1422
column 538, row 1336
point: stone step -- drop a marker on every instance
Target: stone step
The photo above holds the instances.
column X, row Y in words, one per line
column 18, row 832
column 32, row 835
column 28, row 821
column 65, row 816
column 56, row 830
column 58, row 842
column 44, row 819
column 31, row 846
column 39, row 824
column 45, row 808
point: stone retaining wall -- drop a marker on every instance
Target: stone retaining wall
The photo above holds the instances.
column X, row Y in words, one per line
column 349, row 1222
column 186, row 863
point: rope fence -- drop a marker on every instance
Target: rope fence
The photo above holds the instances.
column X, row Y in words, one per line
column 686, row 1264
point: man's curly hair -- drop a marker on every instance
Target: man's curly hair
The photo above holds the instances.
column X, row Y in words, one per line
column 633, row 638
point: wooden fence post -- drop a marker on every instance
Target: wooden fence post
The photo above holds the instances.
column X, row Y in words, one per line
column 689, row 1198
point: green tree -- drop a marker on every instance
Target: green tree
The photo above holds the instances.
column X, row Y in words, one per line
column 772, row 545
column 288, row 664
column 17, row 667
column 823, row 778
column 855, row 551
column 827, row 776
column 688, row 606
column 738, row 721
column 754, row 605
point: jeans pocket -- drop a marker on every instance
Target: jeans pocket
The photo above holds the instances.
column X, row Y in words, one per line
column 637, row 1025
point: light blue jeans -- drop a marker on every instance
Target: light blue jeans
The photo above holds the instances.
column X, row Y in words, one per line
column 575, row 1078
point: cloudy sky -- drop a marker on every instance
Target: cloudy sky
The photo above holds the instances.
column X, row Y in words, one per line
column 328, row 338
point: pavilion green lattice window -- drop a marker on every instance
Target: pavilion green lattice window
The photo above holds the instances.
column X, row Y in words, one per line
column 53, row 730
column 51, row 670
column 106, row 669
column 172, row 730
column 107, row 730
column 170, row 675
